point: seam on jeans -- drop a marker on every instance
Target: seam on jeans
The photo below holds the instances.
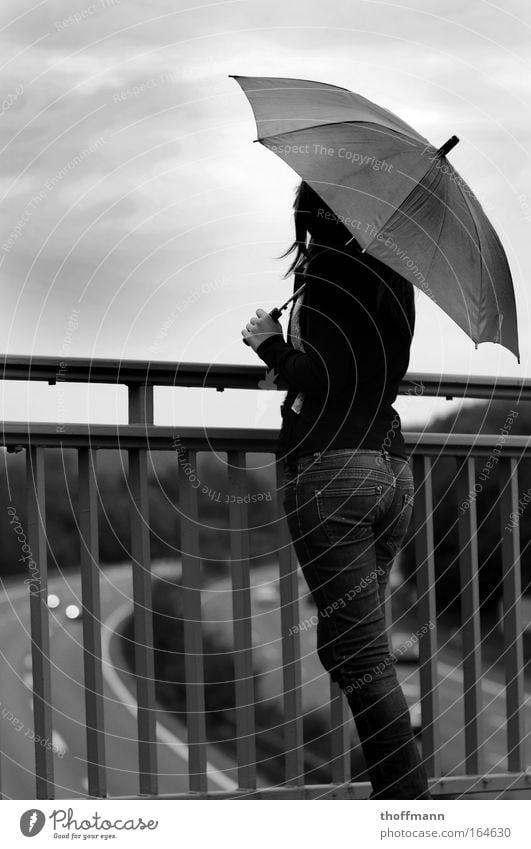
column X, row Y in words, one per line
column 345, row 475
column 360, row 527
column 396, row 535
column 311, row 565
column 318, row 459
column 338, row 658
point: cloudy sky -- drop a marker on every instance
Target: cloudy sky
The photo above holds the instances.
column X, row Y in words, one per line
column 139, row 220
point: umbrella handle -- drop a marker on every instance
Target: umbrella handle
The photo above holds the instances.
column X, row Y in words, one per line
column 275, row 315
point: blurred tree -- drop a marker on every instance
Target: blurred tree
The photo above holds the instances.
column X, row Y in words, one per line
column 491, row 417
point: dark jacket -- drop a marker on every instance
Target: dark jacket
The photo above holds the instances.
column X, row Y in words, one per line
column 355, row 357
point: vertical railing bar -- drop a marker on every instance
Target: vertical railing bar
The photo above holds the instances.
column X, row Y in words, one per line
column 339, row 735
column 143, row 624
column 388, row 613
column 512, row 621
column 427, row 615
column 193, row 636
column 6, row 473
column 39, row 616
column 291, row 653
column 470, row 616
column 242, row 622
column 140, row 407
column 140, row 403
column 90, row 593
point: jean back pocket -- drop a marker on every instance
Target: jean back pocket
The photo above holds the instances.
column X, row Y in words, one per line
column 347, row 514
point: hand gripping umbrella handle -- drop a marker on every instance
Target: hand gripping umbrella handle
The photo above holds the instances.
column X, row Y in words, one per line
column 276, row 312
column 275, row 315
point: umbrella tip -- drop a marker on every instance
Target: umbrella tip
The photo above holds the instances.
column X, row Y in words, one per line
column 447, row 146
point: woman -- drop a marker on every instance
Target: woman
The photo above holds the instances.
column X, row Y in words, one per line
column 349, row 491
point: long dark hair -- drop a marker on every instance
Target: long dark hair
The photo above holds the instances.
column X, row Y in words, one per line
column 316, row 224
column 304, row 206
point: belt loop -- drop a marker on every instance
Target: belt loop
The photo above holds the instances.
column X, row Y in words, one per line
column 384, row 456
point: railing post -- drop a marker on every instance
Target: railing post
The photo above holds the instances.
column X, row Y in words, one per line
column 513, row 656
column 193, row 631
column 242, row 622
column 291, row 652
column 40, row 630
column 141, row 411
column 90, row 590
column 427, row 614
column 140, row 403
column 470, row 616
column 340, row 717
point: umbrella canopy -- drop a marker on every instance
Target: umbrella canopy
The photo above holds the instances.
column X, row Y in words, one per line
column 396, row 193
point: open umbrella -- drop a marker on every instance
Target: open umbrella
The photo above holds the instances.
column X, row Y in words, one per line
column 397, row 194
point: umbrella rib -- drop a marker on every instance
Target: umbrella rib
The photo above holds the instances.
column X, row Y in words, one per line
column 385, row 131
column 480, row 257
column 445, row 204
column 325, row 86
column 402, row 202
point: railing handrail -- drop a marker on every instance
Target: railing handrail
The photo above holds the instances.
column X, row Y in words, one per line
column 161, row 437
column 235, row 376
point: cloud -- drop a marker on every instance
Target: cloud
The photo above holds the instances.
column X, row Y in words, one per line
column 176, row 193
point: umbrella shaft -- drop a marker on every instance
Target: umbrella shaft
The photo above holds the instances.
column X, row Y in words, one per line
column 278, row 311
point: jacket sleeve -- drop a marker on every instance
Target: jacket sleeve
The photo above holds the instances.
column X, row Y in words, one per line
column 327, row 365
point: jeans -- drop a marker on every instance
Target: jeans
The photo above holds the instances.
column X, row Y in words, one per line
column 348, row 511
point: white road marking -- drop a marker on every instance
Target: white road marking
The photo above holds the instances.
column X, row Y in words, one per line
column 11, row 595
column 127, row 699
column 59, row 743
column 497, row 719
column 491, row 687
column 496, row 760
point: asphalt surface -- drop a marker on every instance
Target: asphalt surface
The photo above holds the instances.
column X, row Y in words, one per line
column 17, row 748
column 217, row 615
column 16, row 709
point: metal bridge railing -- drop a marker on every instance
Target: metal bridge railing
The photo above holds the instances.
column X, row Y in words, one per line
column 140, row 437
